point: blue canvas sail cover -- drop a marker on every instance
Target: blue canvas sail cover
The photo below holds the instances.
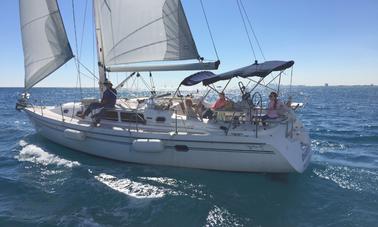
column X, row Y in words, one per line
column 256, row 69
column 197, row 78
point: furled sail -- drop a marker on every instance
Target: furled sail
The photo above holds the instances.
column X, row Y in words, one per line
column 44, row 39
column 144, row 30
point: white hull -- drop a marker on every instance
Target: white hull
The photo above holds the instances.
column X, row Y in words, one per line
column 268, row 153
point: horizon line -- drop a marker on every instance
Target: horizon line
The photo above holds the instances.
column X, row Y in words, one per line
column 297, row 85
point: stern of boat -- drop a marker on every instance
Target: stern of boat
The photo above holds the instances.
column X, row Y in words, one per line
column 295, row 146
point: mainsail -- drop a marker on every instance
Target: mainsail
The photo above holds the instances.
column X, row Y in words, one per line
column 143, row 31
column 44, row 39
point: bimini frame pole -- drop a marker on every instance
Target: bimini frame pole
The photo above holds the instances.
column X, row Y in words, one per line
column 124, row 81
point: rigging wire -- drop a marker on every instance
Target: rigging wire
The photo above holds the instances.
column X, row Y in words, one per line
column 253, row 31
column 94, row 76
column 132, row 85
column 145, row 83
column 77, row 49
column 208, row 28
column 246, row 29
column 82, row 30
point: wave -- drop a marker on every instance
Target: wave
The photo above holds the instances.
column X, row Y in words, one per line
column 221, row 217
column 81, row 218
column 346, row 138
column 366, row 139
column 131, row 188
column 179, row 187
column 33, row 153
column 371, row 127
column 152, row 187
column 326, row 153
column 362, row 162
column 323, row 146
column 350, row 178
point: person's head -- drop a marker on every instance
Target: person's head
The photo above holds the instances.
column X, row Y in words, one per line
column 108, row 84
column 188, row 102
column 273, row 95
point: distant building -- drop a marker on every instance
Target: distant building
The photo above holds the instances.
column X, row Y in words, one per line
column 326, row 84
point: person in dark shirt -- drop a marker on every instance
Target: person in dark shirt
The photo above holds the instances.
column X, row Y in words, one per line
column 108, row 101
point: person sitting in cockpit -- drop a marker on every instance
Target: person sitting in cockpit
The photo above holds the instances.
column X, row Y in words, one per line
column 189, row 109
column 108, row 101
column 220, row 103
column 275, row 107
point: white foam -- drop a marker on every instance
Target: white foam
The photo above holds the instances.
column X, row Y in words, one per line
column 35, row 154
column 131, row 188
column 162, row 180
column 180, row 187
column 221, row 217
column 23, row 143
column 342, row 176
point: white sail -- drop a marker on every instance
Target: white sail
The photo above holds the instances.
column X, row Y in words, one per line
column 144, row 30
column 44, row 39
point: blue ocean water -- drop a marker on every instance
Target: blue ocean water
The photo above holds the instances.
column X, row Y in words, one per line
column 42, row 183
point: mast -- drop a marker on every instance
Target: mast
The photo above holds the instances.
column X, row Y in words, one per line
column 100, row 49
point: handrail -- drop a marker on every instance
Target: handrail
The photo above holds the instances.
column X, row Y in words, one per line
column 258, row 111
column 61, row 111
column 136, row 120
column 231, row 121
column 176, row 130
column 290, row 121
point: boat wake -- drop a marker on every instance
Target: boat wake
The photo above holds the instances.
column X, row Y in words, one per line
column 152, row 187
column 131, row 188
column 33, row 153
column 355, row 179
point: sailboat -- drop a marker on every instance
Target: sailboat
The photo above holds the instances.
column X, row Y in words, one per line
column 157, row 129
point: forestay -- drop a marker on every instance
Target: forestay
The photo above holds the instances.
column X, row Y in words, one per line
column 44, row 39
column 144, row 30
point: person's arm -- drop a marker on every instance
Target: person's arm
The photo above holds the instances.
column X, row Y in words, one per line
column 282, row 108
column 218, row 104
column 215, row 104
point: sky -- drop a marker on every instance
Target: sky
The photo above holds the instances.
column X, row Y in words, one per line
column 331, row 41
